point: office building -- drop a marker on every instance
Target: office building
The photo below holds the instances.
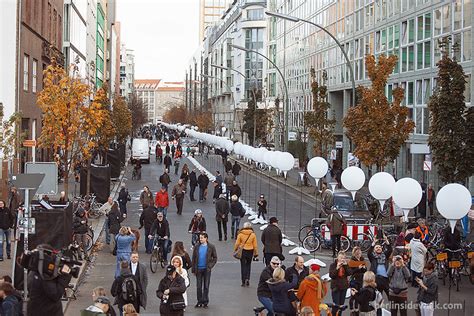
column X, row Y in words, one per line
column 146, row 90
column 75, row 35
column 167, row 95
column 91, row 41
column 407, row 28
column 127, row 71
column 101, row 45
column 210, row 12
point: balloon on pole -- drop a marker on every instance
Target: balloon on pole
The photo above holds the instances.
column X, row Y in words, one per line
column 317, row 168
column 453, row 202
column 407, row 194
column 381, row 187
column 353, row 179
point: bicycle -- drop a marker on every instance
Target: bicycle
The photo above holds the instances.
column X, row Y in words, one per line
column 157, row 255
column 365, row 240
column 315, row 240
column 455, row 266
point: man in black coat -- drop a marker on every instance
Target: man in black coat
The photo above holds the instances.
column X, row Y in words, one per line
column 80, row 228
column 193, row 183
column 167, row 161
column 297, row 269
column 165, row 179
column 222, row 216
column 115, row 218
column 203, row 182
column 117, row 288
column 235, row 189
column 171, row 290
column 147, row 218
column 161, row 229
column 271, row 239
column 264, row 294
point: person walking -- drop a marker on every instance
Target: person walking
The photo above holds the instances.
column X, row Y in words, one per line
column 279, row 288
column 115, row 219
column 167, row 161
column 79, row 227
column 431, row 197
column 312, row 289
column 178, row 250
column 378, row 255
column 170, row 291
column 178, row 193
column 203, row 182
column 124, row 246
column 147, row 217
column 222, row 216
column 271, row 239
column 204, row 260
column 399, row 276
column 336, row 224
column 161, row 229
column 197, row 226
column 327, row 200
column 123, row 199
column 247, row 241
column 185, row 174
column 262, row 207
column 105, row 209
column 146, row 197
column 193, row 183
column 167, row 149
column 165, row 179
column 236, row 169
column 366, row 295
column 138, row 269
column 162, row 201
column 237, row 211
column 264, row 295
column 235, row 189
column 177, row 262
column 177, row 161
column 14, row 200
column 217, row 191
column 418, row 258
column 357, row 267
column 338, row 272
column 428, row 290
column 228, row 181
column 7, row 221
column 126, row 288
column 219, row 178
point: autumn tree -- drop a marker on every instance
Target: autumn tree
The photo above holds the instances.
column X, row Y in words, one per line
column 320, row 126
column 9, row 131
column 176, row 114
column 451, row 137
column 70, row 124
column 137, row 108
column 204, row 121
column 122, row 119
column 255, row 120
column 377, row 127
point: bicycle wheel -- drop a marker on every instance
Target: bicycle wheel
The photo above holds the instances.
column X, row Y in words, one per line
column 362, row 240
column 311, row 243
column 457, row 279
column 89, row 242
column 345, row 243
column 304, row 231
column 154, row 260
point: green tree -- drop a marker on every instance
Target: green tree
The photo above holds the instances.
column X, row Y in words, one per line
column 255, row 118
column 377, row 127
column 318, row 124
column 451, row 138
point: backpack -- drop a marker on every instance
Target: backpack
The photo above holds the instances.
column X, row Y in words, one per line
column 378, row 301
column 129, row 290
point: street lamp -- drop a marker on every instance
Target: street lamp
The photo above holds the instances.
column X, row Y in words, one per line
column 231, row 93
column 348, row 63
column 285, row 136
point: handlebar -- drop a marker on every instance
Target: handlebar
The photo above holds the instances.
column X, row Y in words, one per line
column 453, row 250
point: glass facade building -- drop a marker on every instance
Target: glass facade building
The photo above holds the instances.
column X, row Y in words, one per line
column 409, row 29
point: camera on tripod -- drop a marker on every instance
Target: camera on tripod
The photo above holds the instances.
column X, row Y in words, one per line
column 48, row 263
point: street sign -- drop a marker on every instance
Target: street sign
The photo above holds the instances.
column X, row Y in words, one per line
column 333, row 155
column 427, row 165
column 29, row 224
column 29, row 143
column 49, row 185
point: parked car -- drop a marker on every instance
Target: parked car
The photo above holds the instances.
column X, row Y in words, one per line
column 348, row 207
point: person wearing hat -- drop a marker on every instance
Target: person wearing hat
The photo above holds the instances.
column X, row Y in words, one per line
column 222, row 215
column 197, row 226
column 271, row 239
column 262, row 206
column 312, row 289
column 161, row 229
column 264, row 295
column 101, row 306
column 217, row 190
column 162, row 201
column 147, row 217
column 80, row 228
column 170, row 292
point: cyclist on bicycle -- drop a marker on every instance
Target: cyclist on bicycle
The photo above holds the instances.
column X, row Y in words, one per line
column 197, row 226
column 160, row 231
column 452, row 241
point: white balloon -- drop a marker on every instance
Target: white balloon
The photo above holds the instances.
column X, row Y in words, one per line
column 274, row 160
column 238, row 148
column 317, row 167
column 261, row 154
column 407, row 193
column 381, row 185
column 287, row 161
column 267, row 158
column 229, row 145
column 453, row 201
column 353, row 178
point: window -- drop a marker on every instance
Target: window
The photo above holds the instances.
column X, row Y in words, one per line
column 26, row 77
column 254, row 14
column 34, row 71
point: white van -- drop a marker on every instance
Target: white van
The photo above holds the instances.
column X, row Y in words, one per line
column 140, row 150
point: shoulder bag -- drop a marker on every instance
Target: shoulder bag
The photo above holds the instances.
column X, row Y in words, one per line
column 238, row 253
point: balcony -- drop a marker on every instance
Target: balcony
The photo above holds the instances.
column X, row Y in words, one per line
column 49, row 52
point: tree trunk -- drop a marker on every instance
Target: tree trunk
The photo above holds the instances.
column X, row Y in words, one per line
column 88, row 182
column 66, row 175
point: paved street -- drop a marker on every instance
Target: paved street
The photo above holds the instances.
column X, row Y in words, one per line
column 226, row 295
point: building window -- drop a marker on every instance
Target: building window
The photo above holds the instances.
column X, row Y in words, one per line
column 254, row 14
column 34, row 72
column 26, row 77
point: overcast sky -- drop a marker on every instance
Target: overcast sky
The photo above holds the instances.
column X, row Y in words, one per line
column 163, row 33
